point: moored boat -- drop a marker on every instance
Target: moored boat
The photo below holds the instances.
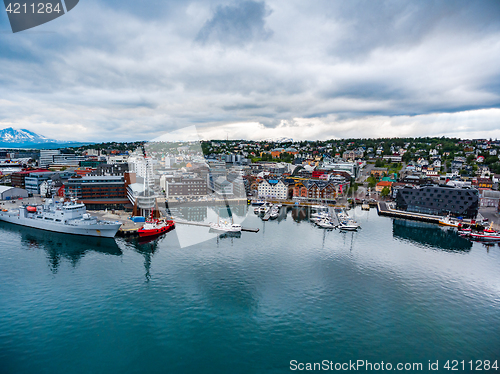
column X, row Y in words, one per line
column 325, row 223
column 68, row 217
column 224, row 226
column 448, row 221
column 487, row 234
column 349, row 225
column 155, row 228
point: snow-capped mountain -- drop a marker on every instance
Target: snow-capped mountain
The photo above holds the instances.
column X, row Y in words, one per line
column 12, row 138
column 10, row 135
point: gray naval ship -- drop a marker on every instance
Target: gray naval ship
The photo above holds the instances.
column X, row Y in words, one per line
column 65, row 217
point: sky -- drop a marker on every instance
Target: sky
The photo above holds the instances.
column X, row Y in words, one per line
column 124, row 70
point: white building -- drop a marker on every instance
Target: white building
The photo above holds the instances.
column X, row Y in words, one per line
column 7, row 192
column 92, row 152
column 47, row 157
column 142, row 167
column 117, row 159
column 223, row 187
column 272, row 189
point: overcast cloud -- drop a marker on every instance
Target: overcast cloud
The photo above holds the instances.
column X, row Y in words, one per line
column 123, row 70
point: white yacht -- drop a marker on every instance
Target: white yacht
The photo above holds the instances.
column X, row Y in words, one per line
column 274, row 212
column 65, row 217
column 225, row 226
column 325, row 223
column 349, row 225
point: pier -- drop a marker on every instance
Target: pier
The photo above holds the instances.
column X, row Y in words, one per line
column 129, row 228
column 383, row 209
column 333, row 215
column 204, row 224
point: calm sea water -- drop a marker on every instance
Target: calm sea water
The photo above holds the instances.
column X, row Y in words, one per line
column 396, row 291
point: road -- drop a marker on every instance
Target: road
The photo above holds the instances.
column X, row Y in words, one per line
column 492, row 215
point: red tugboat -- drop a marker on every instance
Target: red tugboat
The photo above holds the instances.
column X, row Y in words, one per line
column 155, row 227
column 487, row 234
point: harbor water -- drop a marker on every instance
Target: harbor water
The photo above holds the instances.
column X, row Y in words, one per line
column 395, row 292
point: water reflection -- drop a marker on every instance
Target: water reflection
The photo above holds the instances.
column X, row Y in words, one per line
column 190, row 213
column 430, row 235
column 147, row 247
column 199, row 213
column 300, row 213
column 59, row 246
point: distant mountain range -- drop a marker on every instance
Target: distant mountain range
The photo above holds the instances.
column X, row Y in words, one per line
column 12, row 138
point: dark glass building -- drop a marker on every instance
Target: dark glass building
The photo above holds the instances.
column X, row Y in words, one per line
column 439, row 200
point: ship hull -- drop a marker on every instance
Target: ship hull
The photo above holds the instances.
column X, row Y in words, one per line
column 155, row 232
column 99, row 230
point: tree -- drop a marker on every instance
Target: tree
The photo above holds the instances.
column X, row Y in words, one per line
column 407, row 157
column 470, row 158
column 379, row 163
column 372, row 182
column 385, row 191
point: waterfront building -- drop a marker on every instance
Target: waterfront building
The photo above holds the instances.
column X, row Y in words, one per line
column 97, row 192
column 223, row 187
column 438, row 200
column 272, row 189
column 176, row 187
column 315, row 189
column 238, row 184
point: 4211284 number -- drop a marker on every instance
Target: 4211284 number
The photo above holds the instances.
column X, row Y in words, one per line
column 471, row 365
column 33, row 8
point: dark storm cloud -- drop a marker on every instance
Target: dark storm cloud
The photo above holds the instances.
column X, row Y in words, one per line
column 236, row 24
column 403, row 24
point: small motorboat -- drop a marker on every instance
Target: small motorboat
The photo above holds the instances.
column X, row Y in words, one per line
column 349, row 225
column 325, row 223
